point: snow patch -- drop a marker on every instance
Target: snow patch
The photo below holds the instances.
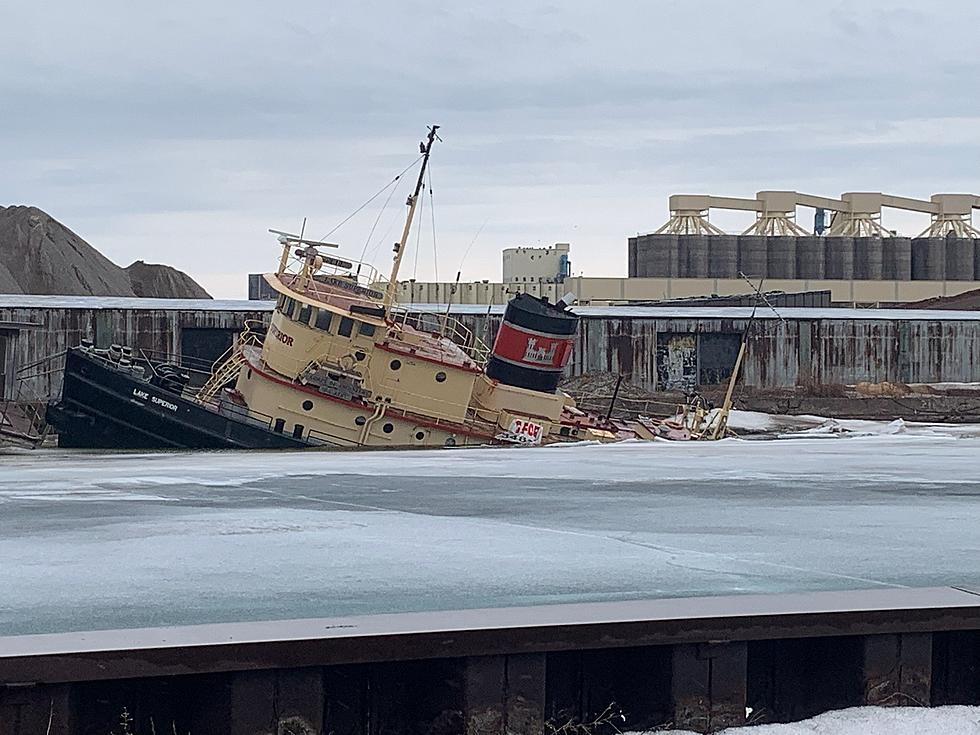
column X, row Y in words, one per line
column 951, row 720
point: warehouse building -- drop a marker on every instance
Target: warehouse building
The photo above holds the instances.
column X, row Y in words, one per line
column 676, row 347
column 196, row 330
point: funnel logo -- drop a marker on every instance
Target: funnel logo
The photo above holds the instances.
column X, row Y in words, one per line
column 539, row 355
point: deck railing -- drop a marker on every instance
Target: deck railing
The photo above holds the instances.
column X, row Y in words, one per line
column 445, row 326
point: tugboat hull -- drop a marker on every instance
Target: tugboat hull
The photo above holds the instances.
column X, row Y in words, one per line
column 105, row 407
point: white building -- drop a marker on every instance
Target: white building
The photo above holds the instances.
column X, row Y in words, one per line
column 537, row 265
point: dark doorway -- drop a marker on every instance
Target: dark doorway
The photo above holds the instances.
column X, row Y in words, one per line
column 201, row 347
column 717, row 352
column 6, row 370
column 686, row 360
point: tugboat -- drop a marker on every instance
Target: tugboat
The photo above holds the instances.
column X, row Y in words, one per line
column 341, row 364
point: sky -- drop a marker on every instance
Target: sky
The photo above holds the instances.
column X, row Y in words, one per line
column 180, row 132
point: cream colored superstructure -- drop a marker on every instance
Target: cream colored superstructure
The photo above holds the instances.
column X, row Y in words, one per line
column 341, row 364
column 359, row 380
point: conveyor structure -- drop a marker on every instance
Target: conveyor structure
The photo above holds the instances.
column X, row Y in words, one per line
column 854, row 214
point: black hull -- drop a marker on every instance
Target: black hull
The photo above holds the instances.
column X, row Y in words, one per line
column 103, row 407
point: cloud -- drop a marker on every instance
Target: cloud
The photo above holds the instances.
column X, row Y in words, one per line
column 180, row 131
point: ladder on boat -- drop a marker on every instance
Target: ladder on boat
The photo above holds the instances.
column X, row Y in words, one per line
column 228, row 365
column 222, row 373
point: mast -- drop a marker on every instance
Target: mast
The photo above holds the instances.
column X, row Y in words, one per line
column 426, row 148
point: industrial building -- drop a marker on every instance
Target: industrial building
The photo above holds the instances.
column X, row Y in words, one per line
column 676, row 347
column 849, row 252
column 537, row 265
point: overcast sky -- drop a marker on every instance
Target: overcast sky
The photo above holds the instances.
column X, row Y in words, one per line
column 179, row 132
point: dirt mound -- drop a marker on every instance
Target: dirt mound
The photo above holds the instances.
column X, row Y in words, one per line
column 39, row 255
column 42, row 256
column 154, row 281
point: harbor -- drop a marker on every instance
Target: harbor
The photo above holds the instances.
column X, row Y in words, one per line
column 184, row 539
column 545, row 369
column 537, row 517
column 552, row 568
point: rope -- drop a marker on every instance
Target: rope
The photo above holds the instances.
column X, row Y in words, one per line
column 379, row 193
column 468, row 247
column 391, row 225
column 418, row 238
column 377, row 220
column 432, row 214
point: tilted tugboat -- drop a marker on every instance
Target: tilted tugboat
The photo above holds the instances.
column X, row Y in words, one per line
column 341, row 364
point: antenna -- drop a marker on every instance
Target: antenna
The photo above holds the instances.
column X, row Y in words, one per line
column 426, row 149
column 292, row 239
column 760, row 296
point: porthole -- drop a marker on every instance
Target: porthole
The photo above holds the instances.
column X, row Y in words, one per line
column 360, row 421
column 451, row 441
column 359, row 356
column 388, row 428
column 440, row 377
column 419, row 435
column 395, row 364
column 307, row 405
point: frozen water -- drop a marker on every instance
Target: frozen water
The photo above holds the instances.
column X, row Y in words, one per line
column 92, row 540
column 954, row 720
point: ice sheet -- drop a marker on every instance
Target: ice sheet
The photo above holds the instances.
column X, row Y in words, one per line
column 93, row 540
column 953, row 720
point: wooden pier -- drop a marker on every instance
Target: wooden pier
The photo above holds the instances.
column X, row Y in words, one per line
column 699, row 663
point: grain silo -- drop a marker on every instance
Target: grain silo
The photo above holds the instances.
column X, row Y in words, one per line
column 929, row 259
column 840, row 259
column 752, row 256
column 810, row 257
column 896, row 258
column 867, row 258
column 781, row 256
column 723, row 256
column 692, row 256
column 959, row 258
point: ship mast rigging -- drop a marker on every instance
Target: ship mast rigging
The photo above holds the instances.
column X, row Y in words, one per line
column 399, row 249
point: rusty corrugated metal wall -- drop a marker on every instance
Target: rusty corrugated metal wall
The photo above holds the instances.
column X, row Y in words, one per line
column 780, row 354
column 784, row 354
column 158, row 331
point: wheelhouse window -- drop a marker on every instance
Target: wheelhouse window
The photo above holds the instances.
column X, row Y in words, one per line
column 305, row 312
column 346, row 327
column 366, row 329
column 323, row 319
column 281, row 301
column 287, row 306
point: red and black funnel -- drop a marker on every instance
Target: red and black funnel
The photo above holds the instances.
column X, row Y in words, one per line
column 533, row 345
